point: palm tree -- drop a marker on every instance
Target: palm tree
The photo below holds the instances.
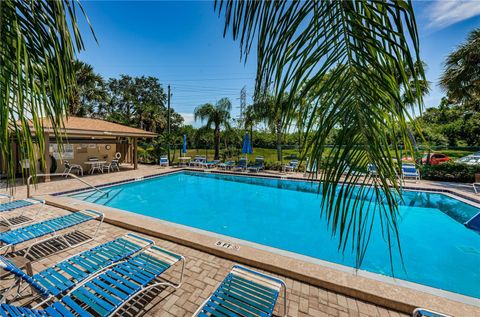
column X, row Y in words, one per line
column 270, row 110
column 462, row 71
column 362, row 46
column 89, row 92
column 217, row 115
column 39, row 40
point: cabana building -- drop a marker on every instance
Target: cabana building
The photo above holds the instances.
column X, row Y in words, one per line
column 84, row 139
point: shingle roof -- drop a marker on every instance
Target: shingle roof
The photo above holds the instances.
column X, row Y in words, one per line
column 91, row 126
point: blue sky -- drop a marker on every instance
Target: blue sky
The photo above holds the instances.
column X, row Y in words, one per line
column 182, row 43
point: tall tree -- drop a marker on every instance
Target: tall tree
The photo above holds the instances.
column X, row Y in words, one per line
column 217, row 115
column 461, row 78
column 37, row 52
column 89, row 93
column 364, row 45
column 270, row 110
column 137, row 101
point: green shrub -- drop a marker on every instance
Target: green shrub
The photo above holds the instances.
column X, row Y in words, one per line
column 450, row 172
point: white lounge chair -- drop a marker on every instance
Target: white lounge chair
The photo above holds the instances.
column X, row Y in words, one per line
column 410, row 171
column 164, row 161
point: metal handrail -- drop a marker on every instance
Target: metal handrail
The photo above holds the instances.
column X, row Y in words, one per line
column 64, row 174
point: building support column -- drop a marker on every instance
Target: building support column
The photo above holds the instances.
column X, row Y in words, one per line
column 46, row 155
column 135, row 154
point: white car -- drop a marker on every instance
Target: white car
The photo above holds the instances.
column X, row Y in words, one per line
column 472, row 159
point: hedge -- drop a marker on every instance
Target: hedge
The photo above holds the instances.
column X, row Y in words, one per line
column 450, row 172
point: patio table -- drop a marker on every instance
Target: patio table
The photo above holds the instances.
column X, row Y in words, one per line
column 95, row 165
column 184, row 160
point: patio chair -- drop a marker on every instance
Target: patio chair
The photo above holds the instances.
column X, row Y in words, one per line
column 422, row 312
column 410, row 171
column 258, row 166
column 163, row 161
column 197, row 161
column 242, row 165
column 110, row 166
column 13, row 205
column 49, row 229
column 244, row 292
column 226, row 165
column 291, row 166
column 107, row 292
column 72, row 168
column 56, row 280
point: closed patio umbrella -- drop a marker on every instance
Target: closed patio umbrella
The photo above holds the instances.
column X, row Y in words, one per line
column 184, row 146
column 247, row 146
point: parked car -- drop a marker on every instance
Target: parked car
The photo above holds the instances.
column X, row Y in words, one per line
column 473, row 159
column 435, row 158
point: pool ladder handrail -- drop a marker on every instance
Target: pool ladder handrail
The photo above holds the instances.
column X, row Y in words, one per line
column 64, row 174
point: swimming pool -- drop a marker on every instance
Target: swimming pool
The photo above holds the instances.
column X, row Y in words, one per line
column 438, row 250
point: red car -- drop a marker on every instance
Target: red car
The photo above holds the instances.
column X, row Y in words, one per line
column 435, row 158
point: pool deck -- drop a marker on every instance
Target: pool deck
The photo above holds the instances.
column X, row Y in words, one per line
column 313, row 289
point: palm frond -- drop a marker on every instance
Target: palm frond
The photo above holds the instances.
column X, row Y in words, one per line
column 37, row 50
column 349, row 58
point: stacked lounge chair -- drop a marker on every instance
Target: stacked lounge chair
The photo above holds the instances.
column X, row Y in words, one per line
column 107, row 292
column 47, row 229
column 244, row 292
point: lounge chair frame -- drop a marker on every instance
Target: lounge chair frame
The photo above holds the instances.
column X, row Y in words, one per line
column 251, row 273
column 134, row 238
column 421, row 312
column 142, row 289
column 56, row 234
column 22, row 209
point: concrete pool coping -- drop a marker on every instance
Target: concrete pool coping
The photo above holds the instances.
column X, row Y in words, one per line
column 399, row 295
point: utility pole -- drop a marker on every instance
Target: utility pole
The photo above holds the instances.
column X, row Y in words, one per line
column 168, row 123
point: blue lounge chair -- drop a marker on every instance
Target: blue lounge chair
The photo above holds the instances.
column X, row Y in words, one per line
column 244, row 292
column 291, row 166
column 422, row 312
column 210, row 164
column 242, row 165
column 107, row 292
column 410, row 171
column 226, row 165
column 56, row 280
column 258, row 166
column 163, row 161
column 47, row 228
column 13, row 205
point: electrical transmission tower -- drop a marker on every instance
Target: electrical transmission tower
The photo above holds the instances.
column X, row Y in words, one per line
column 243, row 102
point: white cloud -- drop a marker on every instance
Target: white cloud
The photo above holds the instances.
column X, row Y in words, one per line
column 443, row 13
column 188, row 118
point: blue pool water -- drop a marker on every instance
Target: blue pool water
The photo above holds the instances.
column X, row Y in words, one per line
column 438, row 250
